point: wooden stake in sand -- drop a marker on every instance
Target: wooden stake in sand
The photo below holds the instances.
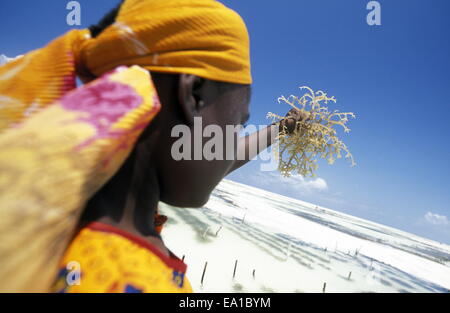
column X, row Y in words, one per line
column 217, row 232
column 234, row 272
column 324, row 287
column 206, row 231
column 288, row 250
column 203, row 275
column 182, row 259
column 253, row 274
column 349, row 275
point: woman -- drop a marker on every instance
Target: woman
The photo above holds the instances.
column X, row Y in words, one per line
column 89, row 165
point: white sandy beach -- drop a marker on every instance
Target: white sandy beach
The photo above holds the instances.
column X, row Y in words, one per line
column 295, row 246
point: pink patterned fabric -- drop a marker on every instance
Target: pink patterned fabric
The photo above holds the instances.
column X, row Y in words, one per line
column 105, row 102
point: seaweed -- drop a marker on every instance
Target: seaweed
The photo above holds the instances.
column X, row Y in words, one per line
column 313, row 137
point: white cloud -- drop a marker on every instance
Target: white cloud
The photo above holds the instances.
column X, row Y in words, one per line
column 4, row 59
column 294, row 183
column 313, row 190
column 436, row 219
column 310, row 184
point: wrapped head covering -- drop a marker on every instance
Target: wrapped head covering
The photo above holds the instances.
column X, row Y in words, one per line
column 199, row 37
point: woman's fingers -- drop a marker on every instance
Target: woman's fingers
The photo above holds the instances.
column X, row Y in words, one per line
column 291, row 119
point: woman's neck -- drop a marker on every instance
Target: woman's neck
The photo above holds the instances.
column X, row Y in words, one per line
column 130, row 199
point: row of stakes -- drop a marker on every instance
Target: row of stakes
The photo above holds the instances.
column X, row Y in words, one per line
column 253, row 273
column 234, row 271
column 208, row 228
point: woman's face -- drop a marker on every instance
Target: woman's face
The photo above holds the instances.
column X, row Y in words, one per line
column 208, row 107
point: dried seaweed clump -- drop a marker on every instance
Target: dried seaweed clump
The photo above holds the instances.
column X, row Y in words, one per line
column 315, row 136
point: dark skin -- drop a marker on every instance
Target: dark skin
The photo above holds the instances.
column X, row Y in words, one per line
column 130, row 199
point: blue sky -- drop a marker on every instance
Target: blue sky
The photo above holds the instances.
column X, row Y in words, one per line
column 395, row 77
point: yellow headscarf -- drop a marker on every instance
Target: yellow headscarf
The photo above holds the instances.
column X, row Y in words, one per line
column 200, row 37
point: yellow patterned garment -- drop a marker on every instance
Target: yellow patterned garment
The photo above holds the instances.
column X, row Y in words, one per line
column 104, row 259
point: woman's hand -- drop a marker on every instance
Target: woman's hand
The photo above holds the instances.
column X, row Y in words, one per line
column 291, row 118
column 265, row 137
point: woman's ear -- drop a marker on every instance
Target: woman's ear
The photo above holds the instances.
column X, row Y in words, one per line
column 190, row 96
